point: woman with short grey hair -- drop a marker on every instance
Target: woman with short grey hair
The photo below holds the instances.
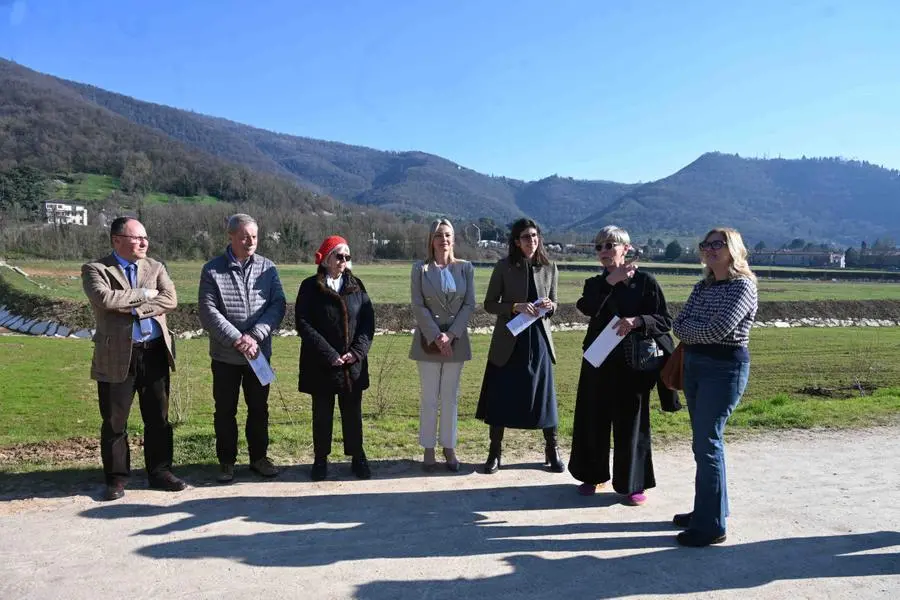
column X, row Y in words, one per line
column 615, row 397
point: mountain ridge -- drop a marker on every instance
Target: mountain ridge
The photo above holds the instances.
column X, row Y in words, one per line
column 767, row 199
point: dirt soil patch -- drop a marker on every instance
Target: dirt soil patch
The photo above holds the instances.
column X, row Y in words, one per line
column 862, row 388
column 78, row 450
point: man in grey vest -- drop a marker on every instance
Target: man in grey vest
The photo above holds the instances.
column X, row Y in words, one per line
column 241, row 303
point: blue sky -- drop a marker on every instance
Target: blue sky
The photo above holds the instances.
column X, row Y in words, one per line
column 594, row 89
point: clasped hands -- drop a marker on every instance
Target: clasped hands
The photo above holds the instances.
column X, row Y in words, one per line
column 444, row 342
column 345, row 359
column 532, row 309
column 247, row 345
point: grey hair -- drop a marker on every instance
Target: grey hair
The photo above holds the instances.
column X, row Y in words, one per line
column 613, row 233
column 238, row 220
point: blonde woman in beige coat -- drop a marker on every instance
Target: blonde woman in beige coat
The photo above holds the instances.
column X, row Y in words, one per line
column 442, row 290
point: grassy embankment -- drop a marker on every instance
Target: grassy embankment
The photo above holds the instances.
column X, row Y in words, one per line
column 47, row 396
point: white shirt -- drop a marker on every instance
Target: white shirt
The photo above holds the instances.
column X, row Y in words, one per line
column 335, row 284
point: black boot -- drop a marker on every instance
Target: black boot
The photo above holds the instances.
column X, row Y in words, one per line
column 551, row 451
column 492, row 465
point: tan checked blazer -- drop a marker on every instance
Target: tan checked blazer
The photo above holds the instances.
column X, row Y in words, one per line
column 112, row 299
column 509, row 285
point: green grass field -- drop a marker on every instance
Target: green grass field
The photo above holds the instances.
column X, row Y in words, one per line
column 47, row 395
column 89, row 187
column 389, row 283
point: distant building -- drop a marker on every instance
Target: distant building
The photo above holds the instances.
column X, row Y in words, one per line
column 798, row 258
column 61, row 213
column 652, row 251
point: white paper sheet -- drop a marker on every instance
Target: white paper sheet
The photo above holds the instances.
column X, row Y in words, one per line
column 262, row 368
column 522, row 321
column 603, row 345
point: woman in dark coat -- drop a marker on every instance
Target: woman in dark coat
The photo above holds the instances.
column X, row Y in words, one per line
column 616, row 396
column 336, row 322
column 518, row 389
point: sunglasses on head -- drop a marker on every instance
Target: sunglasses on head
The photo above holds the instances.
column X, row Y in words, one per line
column 606, row 246
column 713, row 245
column 342, row 257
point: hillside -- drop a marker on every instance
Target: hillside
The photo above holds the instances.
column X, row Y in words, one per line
column 772, row 200
column 64, row 126
column 50, row 127
column 404, row 182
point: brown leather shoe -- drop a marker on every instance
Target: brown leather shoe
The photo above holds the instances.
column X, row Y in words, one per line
column 264, row 467
column 114, row 490
column 166, row 482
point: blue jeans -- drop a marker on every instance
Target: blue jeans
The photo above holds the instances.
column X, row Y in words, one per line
column 713, row 387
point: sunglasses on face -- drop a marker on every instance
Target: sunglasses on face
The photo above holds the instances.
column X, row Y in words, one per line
column 342, row 257
column 528, row 236
column 713, row 245
column 606, row 246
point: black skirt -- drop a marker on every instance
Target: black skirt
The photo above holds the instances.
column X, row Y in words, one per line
column 521, row 394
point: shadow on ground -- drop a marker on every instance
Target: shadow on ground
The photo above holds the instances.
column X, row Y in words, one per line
column 88, row 481
column 314, row 531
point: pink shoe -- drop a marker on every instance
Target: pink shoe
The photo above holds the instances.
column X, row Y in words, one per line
column 637, row 498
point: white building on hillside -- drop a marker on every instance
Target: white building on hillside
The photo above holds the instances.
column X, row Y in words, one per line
column 60, row 213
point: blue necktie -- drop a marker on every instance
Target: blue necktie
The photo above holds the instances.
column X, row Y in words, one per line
column 146, row 327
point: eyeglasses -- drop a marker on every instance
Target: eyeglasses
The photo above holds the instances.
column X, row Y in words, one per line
column 528, row 236
column 134, row 239
column 713, row 245
column 606, row 246
column 342, row 257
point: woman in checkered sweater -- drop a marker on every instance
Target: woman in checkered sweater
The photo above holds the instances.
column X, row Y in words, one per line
column 714, row 327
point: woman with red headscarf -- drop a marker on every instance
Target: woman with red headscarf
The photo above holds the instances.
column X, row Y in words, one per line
column 336, row 322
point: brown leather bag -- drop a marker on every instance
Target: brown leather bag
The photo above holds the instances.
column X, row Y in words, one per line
column 672, row 373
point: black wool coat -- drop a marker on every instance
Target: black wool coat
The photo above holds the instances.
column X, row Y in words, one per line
column 330, row 325
column 640, row 296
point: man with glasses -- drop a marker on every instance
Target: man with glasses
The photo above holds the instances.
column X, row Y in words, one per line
column 133, row 352
column 241, row 303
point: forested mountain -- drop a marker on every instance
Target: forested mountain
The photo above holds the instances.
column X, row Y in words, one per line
column 50, row 127
column 775, row 199
column 58, row 125
column 405, row 182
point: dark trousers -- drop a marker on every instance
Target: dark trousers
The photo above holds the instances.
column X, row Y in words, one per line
column 227, row 383
column 350, row 404
column 618, row 404
column 148, row 375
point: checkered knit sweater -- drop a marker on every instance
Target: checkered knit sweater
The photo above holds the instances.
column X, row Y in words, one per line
column 719, row 313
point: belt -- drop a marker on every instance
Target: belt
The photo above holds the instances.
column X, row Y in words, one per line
column 148, row 345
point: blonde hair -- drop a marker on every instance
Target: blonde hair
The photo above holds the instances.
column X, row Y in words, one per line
column 613, row 233
column 429, row 253
column 739, row 266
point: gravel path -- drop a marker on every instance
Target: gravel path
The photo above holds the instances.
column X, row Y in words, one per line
column 815, row 515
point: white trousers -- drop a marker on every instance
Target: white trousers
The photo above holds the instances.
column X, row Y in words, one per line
column 438, row 386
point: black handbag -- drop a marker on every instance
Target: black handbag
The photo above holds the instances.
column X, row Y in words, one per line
column 642, row 353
